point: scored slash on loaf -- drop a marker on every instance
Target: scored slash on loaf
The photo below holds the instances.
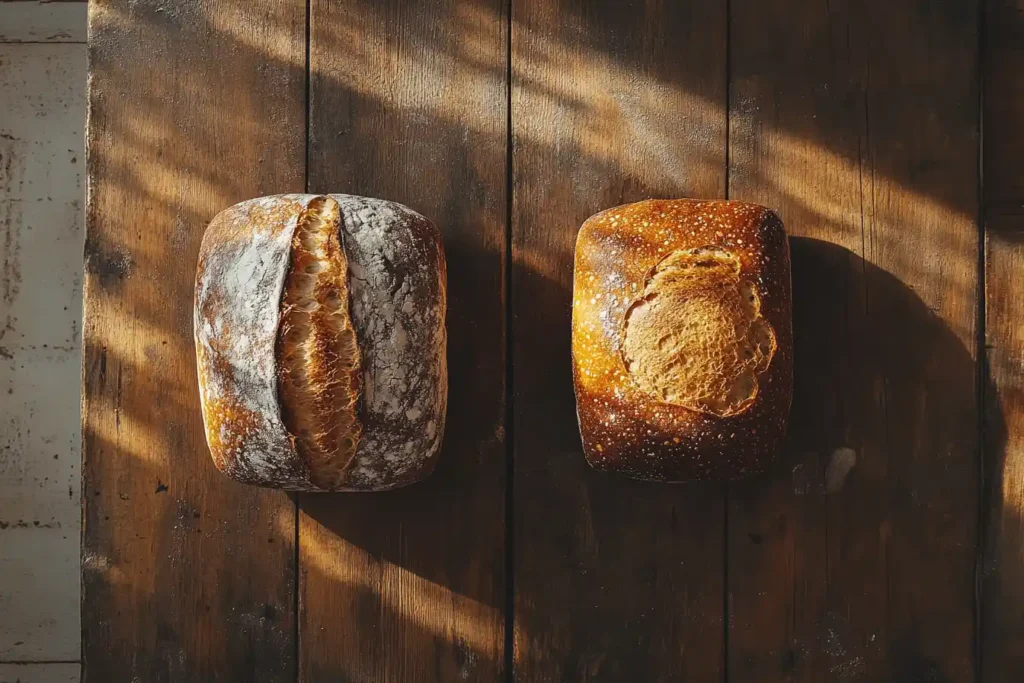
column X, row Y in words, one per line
column 682, row 339
column 320, row 342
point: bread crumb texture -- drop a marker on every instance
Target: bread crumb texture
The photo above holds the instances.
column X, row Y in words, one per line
column 682, row 338
column 696, row 337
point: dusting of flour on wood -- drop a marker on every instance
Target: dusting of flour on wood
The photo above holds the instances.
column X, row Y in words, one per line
column 840, row 463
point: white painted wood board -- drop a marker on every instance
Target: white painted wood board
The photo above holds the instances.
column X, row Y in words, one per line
column 39, row 673
column 42, row 111
column 46, row 22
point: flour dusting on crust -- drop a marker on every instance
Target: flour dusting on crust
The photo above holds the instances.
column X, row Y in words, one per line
column 397, row 299
column 242, row 266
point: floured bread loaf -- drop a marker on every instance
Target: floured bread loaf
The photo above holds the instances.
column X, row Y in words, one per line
column 682, row 339
column 320, row 341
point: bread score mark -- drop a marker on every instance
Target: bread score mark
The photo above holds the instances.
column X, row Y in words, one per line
column 317, row 349
column 695, row 337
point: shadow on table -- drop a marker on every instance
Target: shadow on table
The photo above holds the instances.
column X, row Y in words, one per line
column 862, row 499
column 422, row 567
column 384, row 570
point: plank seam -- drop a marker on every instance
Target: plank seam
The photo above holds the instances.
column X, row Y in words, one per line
column 982, row 357
column 725, row 485
column 509, row 639
column 297, row 605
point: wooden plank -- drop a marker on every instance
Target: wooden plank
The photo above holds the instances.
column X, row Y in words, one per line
column 615, row 580
column 1002, row 586
column 408, row 103
column 1003, row 105
column 42, row 88
column 858, row 122
column 1002, row 570
column 193, row 106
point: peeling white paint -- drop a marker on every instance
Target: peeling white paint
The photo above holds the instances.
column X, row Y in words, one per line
column 46, row 22
column 42, row 163
column 39, row 673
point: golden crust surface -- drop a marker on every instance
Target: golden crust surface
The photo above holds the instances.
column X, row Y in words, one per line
column 682, row 338
column 240, row 275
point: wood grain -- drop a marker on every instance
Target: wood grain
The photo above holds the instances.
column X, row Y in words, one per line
column 1002, row 586
column 408, row 103
column 858, row 122
column 1003, row 104
column 1002, row 570
column 615, row 580
column 193, row 107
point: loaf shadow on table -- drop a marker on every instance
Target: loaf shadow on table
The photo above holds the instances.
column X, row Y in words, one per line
column 906, row 361
column 1001, row 630
column 883, row 388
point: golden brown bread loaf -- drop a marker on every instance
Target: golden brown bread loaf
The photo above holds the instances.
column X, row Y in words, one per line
column 682, row 339
column 320, row 342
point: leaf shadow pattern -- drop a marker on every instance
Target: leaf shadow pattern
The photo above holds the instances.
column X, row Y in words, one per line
column 165, row 157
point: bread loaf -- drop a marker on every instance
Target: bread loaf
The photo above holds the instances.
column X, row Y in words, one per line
column 320, row 342
column 682, row 339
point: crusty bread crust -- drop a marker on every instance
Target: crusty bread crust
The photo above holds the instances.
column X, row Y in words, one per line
column 240, row 277
column 682, row 339
column 316, row 348
column 398, row 298
column 285, row 287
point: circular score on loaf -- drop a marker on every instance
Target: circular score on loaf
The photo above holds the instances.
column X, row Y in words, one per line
column 682, row 339
column 320, row 342
column 696, row 337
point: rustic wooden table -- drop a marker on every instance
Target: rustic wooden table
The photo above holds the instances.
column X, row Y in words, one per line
column 509, row 122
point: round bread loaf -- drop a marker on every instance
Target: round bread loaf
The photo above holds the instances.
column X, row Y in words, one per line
column 320, row 342
column 682, row 339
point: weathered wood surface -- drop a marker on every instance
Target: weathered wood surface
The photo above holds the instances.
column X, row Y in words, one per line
column 859, row 123
column 853, row 559
column 193, row 107
column 615, row 580
column 1002, row 569
column 408, row 102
